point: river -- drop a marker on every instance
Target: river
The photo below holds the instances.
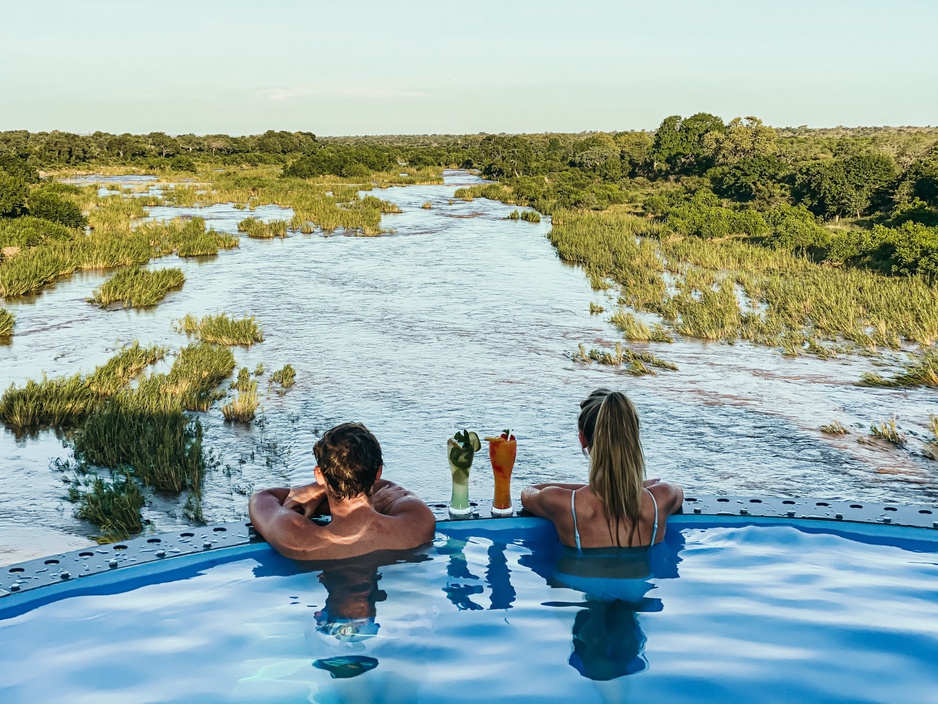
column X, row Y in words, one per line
column 458, row 318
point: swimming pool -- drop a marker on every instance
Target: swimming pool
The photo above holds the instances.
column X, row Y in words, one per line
column 729, row 608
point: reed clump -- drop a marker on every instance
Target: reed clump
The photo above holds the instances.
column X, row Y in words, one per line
column 933, row 424
column 285, row 376
column 196, row 373
column 492, row 191
column 62, row 402
column 148, row 433
column 222, row 329
column 7, row 321
column 65, row 402
column 634, row 329
column 138, row 288
column 114, row 506
column 531, row 216
column 243, row 382
column 427, row 205
column 383, row 206
column 635, row 363
column 123, row 367
column 257, row 229
column 835, row 428
column 888, row 430
column 243, row 408
column 35, row 268
column 920, row 371
column 596, row 309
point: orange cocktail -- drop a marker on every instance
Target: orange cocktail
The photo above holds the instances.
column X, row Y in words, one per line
column 502, row 452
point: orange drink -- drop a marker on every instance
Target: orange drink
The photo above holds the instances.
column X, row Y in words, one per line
column 502, row 452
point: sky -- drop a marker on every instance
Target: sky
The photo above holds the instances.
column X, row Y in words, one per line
column 416, row 67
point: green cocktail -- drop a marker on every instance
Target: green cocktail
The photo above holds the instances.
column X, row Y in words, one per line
column 461, row 448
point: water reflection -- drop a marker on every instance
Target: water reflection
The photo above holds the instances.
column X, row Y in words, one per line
column 608, row 641
column 461, row 584
column 348, row 619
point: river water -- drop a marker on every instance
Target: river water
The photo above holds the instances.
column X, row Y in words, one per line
column 458, row 318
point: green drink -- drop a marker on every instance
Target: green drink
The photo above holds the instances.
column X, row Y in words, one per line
column 460, row 450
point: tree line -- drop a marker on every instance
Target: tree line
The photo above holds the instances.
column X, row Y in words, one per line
column 860, row 196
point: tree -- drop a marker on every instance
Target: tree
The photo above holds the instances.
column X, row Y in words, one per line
column 744, row 138
column 162, row 144
column 18, row 166
column 755, row 179
column 13, row 192
column 681, row 143
column 847, row 186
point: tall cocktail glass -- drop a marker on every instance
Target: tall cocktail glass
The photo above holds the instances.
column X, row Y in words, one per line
column 502, row 452
column 461, row 448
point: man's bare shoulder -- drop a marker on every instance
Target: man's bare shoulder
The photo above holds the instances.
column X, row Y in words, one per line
column 411, row 520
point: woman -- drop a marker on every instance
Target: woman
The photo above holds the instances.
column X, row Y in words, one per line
column 618, row 507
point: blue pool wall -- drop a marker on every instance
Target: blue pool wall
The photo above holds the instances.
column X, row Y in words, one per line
column 113, row 568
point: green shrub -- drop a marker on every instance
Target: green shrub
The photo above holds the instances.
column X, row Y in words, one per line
column 49, row 206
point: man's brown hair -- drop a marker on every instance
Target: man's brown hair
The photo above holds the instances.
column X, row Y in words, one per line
column 349, row 457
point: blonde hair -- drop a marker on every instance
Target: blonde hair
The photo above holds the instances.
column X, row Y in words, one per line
column 609, row 423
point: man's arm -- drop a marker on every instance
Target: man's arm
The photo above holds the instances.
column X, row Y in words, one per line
column 288, row 532
column 308, row 499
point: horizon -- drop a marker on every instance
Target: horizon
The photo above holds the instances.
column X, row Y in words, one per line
column 502, row 68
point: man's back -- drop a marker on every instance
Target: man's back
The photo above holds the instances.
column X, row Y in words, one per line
column 367, row 513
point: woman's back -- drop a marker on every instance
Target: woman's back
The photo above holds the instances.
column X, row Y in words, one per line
column 618, row 507
column 576, row 511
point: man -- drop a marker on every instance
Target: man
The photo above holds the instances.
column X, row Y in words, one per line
column 368, row 513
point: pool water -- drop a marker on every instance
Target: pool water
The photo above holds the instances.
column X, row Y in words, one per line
column 497, row 610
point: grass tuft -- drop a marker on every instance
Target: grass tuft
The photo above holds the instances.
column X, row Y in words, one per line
column 243, row 408
column 835, row 428
column 285, row 376
column 114, row 506
column 6, row 323
column 256, row 229
column 888, row 430
column 636, row 363
column 138, row 288
column 222, row 330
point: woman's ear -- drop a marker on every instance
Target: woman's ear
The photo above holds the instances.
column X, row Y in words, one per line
column 378, row 475
column 582, row 440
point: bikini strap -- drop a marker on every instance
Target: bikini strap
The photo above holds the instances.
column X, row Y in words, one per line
column 576, row 531
column 654, row 530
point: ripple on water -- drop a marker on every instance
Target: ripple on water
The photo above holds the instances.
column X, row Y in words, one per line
column 459, row 316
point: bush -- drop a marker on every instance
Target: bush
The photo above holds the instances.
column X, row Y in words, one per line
column 48, row 206
column 795, row 229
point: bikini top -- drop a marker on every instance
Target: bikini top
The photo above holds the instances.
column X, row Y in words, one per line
column 576, row 530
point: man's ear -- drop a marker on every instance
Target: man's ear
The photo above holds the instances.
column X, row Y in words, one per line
column 317, row 475
column 378, row 475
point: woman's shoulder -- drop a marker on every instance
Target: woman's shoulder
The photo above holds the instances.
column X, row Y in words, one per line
column 669, row 497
